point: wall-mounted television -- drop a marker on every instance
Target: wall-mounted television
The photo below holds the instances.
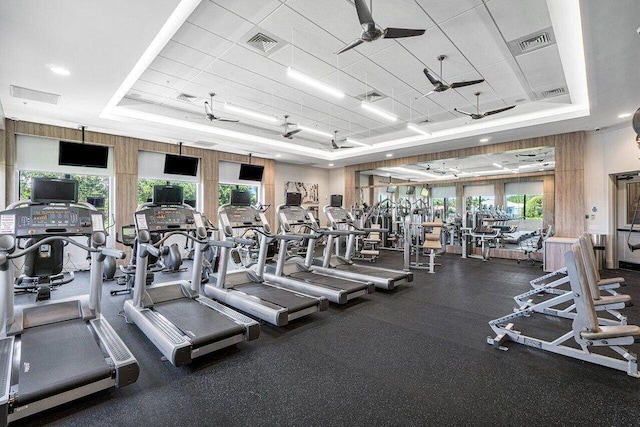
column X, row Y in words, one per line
column 168, row 195
column 51, row 190
column 251, row 172
column 411, row 190
column 180, row 165
column 336, row 200
column 87, row 155
column 96, row 201
column 424, row 192
column 293, row 199
column 391, row 189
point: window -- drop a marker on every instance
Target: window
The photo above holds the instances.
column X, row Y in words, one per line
column 480, row 202
column 145, row 189
column 88, row 185
column 527, row 206
column 224, row 192
column 444, row 207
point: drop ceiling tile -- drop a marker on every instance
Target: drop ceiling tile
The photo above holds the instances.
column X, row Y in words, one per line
column 475, row 34
column 199, row 39
column 220, row 21
column 251, row 10
column 542, row 67
column 173, row 68
column 153, row 89
column 519, row 18
column 186, row 55
column 162, row 79
column 441, row 10
column 401, row 64
column 506, row 79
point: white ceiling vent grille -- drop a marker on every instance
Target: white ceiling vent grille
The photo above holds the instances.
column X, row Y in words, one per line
column 262, row 41
column 186, row 97
column 553, row 92
column 532, row 42
column 371, row 96
column 34, row 95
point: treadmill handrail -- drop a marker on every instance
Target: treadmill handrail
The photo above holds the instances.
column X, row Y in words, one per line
column 181, row 233
column 105, row 251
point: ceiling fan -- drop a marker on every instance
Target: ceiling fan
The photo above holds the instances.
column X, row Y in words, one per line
column 288, row 133
column 336, row 143
column 371, row 32
column 438, row 86
column 478, row 115
column 209, row 112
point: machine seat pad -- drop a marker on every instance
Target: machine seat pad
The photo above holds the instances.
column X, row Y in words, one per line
column 59, row 357
column 619, row 331
column 610, row 281
column 432, row 244
column 612, row 299
column 200, row 323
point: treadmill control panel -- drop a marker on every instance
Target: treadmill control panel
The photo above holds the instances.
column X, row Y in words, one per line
column 241, row 217
column 295, row 215
column 337, row 215
column 165, row 218
column 46, row 220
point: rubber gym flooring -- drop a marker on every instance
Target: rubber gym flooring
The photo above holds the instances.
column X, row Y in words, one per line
column 413, row 356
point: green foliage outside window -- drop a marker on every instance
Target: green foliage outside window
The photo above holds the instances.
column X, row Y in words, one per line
column 145, row 188
column 88, row 185
column 224, row 194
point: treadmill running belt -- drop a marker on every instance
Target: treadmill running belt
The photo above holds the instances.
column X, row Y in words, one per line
column 58, row 357
column 362, row 269
column 202, row 324
column 289, row 300
column 330, row 282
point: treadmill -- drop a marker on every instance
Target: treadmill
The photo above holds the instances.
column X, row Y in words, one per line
column 247, row 289
column 340, row 218
column 55, row 351
column 182, row 323
column 294, row 217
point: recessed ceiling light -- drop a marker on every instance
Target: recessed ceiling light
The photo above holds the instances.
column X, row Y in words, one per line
column 484, row 140
column 418, row 129
column 278, row 155
column 330, row 164
column 250, row 113
column 624, row 115
column 314, row 130
column 382, row 113
column 389, row 155
column 58, row 69
column 310, row 81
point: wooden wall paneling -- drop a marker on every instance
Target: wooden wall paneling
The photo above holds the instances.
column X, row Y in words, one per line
column 498, row 194
column 569, row 184
column 126, row 183
column 459, row 197
column 269, row 184
column 350, row 186
column 548, row 201
column 11, row 184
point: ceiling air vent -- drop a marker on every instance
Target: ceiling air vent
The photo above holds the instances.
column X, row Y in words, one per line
column 371, row 96
column 34, row 95
column 532, row 42
column 553, row 92
column 262, row 41
column 186, row 97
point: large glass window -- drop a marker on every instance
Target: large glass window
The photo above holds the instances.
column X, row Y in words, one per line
column 89, row 186
column 444, row 207
column 224, row 193
column 480, row 202
column 145, row 189
column 527, row 206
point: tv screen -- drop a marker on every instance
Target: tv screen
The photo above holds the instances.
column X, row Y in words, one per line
column 97, row 202
column 180, row 165
column 240, row 198
column 424, row 192
column 293, row 199
column 251, row 172
column 336, row 200
column 167, row 195
column 391, row 189
column 49, row 190
column 74, row 154
column 190, row 202
column 411, row 190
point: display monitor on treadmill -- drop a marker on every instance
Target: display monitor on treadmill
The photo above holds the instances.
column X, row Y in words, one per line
column 167, row 195
column 240, row 198
column 336, row 200
column 293, row 199
column 51, row 190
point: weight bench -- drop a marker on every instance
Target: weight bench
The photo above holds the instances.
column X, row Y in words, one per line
column 432, row 241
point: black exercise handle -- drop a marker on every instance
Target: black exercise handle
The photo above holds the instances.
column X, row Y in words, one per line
column 46, row 241
column 179, row 233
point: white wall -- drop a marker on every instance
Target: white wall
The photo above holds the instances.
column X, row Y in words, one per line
column 287, row 172
column 606, row 152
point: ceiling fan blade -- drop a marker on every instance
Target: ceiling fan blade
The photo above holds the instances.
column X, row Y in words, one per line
column 398, row 33
column 463, row 112
column 526, row 155
column 500, row 110
column 351, row 45
column 291, row 133
column 426, row 94
column 364, row 14
column 224, row 119
column 207, row 109
column 432, row 79
column 463, row 84
column 334, row 145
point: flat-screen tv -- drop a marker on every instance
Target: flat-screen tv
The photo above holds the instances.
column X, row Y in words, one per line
column 251, row 172
column 336, row 200
column 391, row 189
column 424, row 192
column 180, row 165
column 97, row 201
column 293, row 199
column 74, row 154
column 167, row 195
column 190, row 202
column 51, row 190
column 411, row 190
column 240, row 198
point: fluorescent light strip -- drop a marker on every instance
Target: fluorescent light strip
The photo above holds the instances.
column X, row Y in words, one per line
column 353, row 141
column 382, row 113
column 314, row 130
column 455, row 170
column 310, row 81
column 498, row 165
column 417, row 129
column 408, row 171
column 249, row 113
